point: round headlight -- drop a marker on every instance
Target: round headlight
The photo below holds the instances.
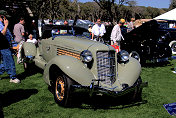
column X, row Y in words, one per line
column 163, row 37
column 123, row 55
column 86, row 56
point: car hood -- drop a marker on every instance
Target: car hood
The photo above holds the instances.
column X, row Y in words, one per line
column 79, row 43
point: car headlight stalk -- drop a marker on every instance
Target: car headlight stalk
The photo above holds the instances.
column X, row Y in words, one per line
column 123, row 56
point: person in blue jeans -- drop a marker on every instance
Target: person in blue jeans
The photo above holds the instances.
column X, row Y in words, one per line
column 7, row 63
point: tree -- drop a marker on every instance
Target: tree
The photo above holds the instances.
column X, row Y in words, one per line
column 172, row 4
column 107, row 10
column 112, row 7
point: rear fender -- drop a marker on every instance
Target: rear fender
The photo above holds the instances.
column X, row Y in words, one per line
column 29, row 49
column 72, row 67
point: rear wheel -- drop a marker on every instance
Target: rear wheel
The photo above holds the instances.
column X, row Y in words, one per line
column 26, row 63
column 26, row 66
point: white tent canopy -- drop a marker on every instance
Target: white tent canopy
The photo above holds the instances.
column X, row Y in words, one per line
column 170, row 15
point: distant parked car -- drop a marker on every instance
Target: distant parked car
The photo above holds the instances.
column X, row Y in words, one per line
column 170, row 36
column 81, row 23
column 72, row 63
column 147, row 43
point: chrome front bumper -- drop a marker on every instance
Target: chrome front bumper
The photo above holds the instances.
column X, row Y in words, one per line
column 99, row 90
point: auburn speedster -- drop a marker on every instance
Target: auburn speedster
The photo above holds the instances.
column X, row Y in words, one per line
column 74, row 63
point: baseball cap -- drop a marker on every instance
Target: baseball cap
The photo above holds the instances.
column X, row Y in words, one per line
column 122, row 20
column 3, row 12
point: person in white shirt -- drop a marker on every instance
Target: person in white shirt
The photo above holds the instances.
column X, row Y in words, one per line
column 31, row 39
column 116, row 34
column 98, row 29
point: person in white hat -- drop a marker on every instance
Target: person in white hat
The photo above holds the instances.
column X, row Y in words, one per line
column 116, row 34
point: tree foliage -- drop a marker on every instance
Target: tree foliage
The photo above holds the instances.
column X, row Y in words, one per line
column 172, row 4
column 107, row 10
column 115, row 9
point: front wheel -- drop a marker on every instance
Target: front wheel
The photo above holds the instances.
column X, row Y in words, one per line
column 137, row 95
column 62, row 92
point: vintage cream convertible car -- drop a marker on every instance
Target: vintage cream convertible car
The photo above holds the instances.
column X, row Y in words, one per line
column 73, row 63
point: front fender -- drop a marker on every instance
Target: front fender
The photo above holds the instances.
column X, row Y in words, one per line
column 72, row 67
column 128, row 73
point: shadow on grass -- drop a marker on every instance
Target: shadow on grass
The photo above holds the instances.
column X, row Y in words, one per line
column 14, row 96
column 172, row 69
column 159, row 64
column 107, row 102
column 29, row 72
column 32, row 70
column 1, row 109
column 84, row 101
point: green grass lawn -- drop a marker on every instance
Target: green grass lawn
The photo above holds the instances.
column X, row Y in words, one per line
column 31, row 98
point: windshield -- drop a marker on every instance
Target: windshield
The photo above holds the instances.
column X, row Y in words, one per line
column 62, row 30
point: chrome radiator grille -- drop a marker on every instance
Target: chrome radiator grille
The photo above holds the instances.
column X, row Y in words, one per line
column 106, row 67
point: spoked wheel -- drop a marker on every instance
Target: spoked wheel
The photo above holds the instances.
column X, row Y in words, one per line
column 60, row 88
column 62, row 93
column 135, row 55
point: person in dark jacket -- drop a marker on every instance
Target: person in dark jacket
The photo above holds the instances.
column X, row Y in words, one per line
column 7, row 63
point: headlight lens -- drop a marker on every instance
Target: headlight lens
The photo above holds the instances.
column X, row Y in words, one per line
column 123, row 56
column 163, row 37
column 86, row 56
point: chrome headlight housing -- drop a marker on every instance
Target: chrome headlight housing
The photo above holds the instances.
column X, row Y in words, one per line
column 123, row 56
column 86, row 56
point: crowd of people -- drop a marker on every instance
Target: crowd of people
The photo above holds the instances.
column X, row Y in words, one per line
column 7, row 63
column 98, row 31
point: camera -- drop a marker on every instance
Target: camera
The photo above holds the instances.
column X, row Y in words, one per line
column 2, row 18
